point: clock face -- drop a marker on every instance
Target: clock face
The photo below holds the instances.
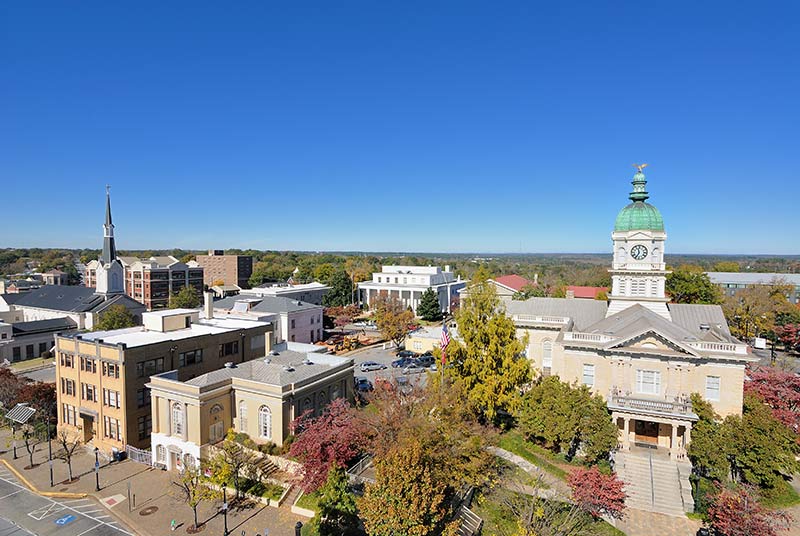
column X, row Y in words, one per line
column 638, row 252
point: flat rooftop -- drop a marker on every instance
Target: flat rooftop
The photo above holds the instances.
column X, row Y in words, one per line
column 139, row 336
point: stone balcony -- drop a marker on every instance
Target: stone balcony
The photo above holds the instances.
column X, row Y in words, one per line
column 667, row 406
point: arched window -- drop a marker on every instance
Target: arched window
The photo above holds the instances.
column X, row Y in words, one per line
column 322, row 401
column 337, row 392
column 216, row 428
column 265, row 422
column 547, row 353
column 621, row 255
column 307, row 405
column 242, row 417
column 161, row 454
column 177, row 419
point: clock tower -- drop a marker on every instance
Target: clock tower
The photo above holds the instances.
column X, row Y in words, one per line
column 638, row 272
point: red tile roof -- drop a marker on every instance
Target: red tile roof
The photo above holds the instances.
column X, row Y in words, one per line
column 586, row 292
column 512, row 281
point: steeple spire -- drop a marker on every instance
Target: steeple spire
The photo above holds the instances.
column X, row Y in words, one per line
column 639, row 182
column 109, row 247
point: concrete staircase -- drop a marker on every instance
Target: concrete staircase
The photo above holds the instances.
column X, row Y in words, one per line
column 655, row 483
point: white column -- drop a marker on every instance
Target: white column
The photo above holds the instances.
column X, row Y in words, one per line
column 626, row 439
column 673, row 451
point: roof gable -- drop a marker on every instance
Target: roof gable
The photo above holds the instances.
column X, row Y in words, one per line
column 512, row 282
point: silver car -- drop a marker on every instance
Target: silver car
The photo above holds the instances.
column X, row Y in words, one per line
column 367, row 366
column 414, row 368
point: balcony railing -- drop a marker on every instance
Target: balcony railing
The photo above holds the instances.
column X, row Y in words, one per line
column 540, row 319
column 720, row 347
column 680, row 405
column 587, row 337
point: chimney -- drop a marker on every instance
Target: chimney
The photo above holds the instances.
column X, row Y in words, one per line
column 535, row 279
column 570, row 294
column 446, row 267
column 208, row 304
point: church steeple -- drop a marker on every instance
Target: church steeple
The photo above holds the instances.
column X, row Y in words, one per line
column 109, row 247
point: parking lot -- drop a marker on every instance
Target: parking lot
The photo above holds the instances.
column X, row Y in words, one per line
column 19, row 507
column 384, row 357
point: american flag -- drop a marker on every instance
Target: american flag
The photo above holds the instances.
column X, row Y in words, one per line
column 444, row 341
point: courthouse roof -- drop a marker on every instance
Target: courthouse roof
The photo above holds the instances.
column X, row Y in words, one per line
column 582, row 312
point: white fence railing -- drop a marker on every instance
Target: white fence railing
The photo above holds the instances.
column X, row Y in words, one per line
column 139, row 455
column 540, row 319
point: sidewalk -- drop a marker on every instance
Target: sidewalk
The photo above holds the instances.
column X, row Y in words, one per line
column 156, row 500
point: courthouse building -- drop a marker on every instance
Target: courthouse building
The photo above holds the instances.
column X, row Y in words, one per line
column 644, row 355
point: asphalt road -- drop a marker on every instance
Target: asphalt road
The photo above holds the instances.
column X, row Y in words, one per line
column 21, row 509
column 47, row 375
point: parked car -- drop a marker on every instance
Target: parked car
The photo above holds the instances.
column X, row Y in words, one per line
column 402, row 362
column 425, row 360
column 363, row 384
column 414, row 368
column 406, row 353
column 367, row 366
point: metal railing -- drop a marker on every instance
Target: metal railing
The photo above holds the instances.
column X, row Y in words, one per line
column 679, row 406
column 540, row 319
column 724, row 347
column 587, row 337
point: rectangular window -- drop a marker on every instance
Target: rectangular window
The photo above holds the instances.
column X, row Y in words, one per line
column 111, row 428
column 149, row 367
column 229, row 348
column 69, row 414
column 648, row 382
column 111, row 398
column 588, row 375
column 67, row 386
column 111, row 370
column 88, row 364
column 16, row 353
column 712, row 387
column 292, row 323
column 190, row 358
column 88, row 392
column 67, row 360
column 29, row 351
column 42, row 348
column 145, row 426
column 142, row 397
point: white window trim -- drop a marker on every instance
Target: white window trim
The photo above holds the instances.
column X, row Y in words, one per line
column 718, row 388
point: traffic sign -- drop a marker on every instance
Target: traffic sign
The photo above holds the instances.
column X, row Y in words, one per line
column 61, row 521
column 96, row 466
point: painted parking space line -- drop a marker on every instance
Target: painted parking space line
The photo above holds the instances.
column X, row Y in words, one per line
column 89, row 529
column 10, row 494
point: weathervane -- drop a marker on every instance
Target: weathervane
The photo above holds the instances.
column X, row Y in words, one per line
column 640, row 167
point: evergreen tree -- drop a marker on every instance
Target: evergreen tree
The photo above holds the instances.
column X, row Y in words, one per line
column 115, row 317
column 429, row 308
column 341, row 292
column 336, row 512
column 489, row 357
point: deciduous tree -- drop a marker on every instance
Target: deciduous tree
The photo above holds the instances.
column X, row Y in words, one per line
column 185, row 298
column 707, row 451
column 736, row 511
column 69, row 444
column 529, row 291
column 10, row 386
column 429, row 308
column 753, row 311
column 406, row 498
column 336, row 509
column 332, row 439
column 689, row 284
column 392, row 318
column 597, row 493
column 563, row 417
column 489, row 358
column 780, row 390
column 115, row 317
column 789, row 335
column 194, row 488
column 231, row 462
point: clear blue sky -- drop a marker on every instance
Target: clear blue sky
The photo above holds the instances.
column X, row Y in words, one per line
column 404, row 126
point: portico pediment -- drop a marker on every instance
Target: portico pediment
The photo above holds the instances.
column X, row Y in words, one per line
column 650, row 340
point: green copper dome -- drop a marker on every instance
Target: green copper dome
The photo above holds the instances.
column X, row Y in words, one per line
column 639, row 216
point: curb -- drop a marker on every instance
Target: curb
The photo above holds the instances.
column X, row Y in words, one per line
column 56, row 494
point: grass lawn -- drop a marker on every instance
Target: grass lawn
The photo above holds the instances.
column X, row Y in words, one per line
column 31, row 363
column 514, row 442
column 308, row 501
column 499, row 520
column 782, row 496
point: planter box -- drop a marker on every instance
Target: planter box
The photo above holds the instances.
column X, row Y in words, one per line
column 305, row 512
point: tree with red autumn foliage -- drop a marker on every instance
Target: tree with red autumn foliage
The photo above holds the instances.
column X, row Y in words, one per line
column 42, row 397
column 789, row 335
column 10, row 385
column 737, row 512
column 332, row 438
column 780, row 390
column 598, row 493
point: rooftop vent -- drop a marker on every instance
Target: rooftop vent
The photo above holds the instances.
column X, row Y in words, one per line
column 275, row 352
column 705, row 327
column 288, row 368
column 307, row 361
column 229, row 364
column 267, row 360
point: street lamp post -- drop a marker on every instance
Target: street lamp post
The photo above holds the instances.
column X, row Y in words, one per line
column 298, row 529
column 50, row 453
column 225, row 509
column 14, row 436
column 96, row 469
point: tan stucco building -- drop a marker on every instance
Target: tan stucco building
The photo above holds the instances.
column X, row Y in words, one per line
column 259, row 397
column 644, row 355
column 102, row 376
